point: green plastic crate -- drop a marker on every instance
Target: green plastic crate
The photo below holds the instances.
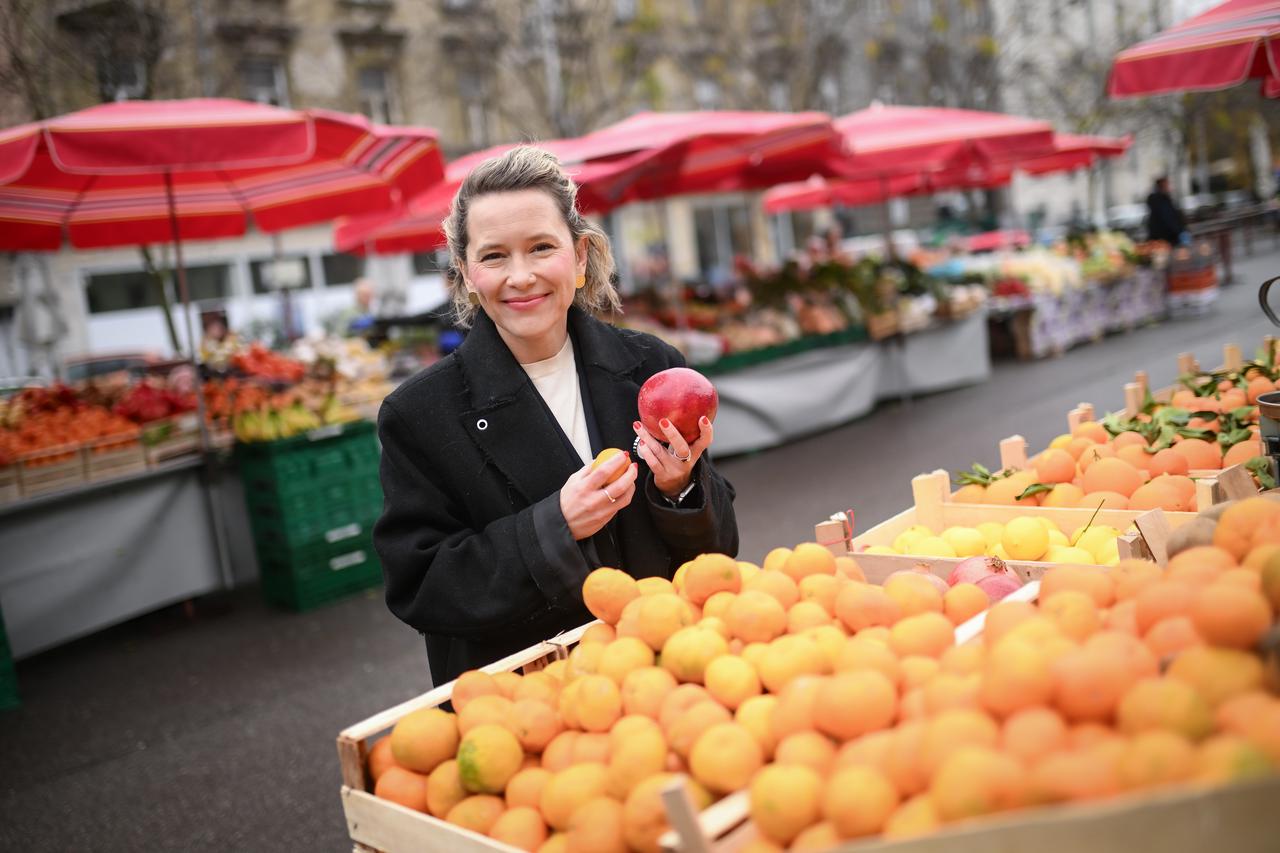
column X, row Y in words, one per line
column 303, row 579
column 295, row 465
column 275, row 529
column 8, row 674
column 355, row 491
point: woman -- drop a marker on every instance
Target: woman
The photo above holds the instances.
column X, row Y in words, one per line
column 493, row 516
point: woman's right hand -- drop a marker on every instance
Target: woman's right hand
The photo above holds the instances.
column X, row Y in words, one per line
column 588, row 500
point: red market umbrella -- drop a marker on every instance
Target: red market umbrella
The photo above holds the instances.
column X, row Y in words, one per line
column 1068, row 152
column 417, row 227
column 1221, row 48
column 647, row 156
column 145, row 172
column 712, row 151
column 890, row 140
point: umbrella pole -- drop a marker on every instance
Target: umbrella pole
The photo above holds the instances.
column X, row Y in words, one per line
column 888, row 220
column 215, row 510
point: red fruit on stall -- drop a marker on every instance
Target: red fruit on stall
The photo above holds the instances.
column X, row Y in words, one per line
column 682, row 396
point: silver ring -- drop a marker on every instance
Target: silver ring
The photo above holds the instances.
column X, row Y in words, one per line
column 684, row 458
column 611, row 498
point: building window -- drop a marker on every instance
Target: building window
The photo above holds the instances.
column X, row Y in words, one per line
column 471, row 91
column 264, row 81
column 121, row 291
column 341, row 269
column 377, row 95
column 121, row 78
column 208, row 283
column 723, row 232
column 272, row 274
column 706, row 93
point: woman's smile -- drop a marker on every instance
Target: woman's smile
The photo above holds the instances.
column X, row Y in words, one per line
column 526, row 302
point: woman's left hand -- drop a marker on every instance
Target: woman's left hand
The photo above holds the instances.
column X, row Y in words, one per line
column 672, row 466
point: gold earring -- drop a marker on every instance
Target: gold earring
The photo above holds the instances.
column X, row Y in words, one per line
column 581, row 282
column 473, row 298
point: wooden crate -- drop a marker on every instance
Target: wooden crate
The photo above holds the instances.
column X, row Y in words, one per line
column 183, row 440
column 54, row 469
column 1239, row 817
column 380, row 825
column 10, row 489
column 933, row 510
column 114, row 456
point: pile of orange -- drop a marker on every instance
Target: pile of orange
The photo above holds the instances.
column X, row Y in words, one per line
column 1090, row 467
column 846, row 709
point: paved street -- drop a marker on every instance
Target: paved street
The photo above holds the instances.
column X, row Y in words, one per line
column 216, row 733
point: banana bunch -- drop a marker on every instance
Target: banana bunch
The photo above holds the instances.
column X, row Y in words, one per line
column 334, row 412
column 297, row 419
column 257, row 425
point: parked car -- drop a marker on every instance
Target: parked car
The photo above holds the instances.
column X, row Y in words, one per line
column 1129, row 218
column 90, row 365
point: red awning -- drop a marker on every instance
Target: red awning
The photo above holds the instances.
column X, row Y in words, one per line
column 647, row 156
column 1221, row 48
column 102, row 176
column 1068, row 151
column 899, row 140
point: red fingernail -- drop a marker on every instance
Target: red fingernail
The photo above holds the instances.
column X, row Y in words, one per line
column 635, row 425
column 703, row 420
column 664, row 423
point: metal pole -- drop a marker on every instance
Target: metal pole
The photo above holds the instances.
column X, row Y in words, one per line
column 215, row 510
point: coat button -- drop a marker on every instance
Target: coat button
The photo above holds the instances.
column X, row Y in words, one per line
column 482, row 425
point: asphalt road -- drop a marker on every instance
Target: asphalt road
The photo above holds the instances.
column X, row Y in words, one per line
column 216, row 733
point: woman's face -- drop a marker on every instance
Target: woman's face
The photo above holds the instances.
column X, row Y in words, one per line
column 523, row 263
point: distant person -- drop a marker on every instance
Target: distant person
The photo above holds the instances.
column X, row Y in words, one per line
column 1164, row 220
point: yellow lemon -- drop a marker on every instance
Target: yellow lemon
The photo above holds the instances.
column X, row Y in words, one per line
column 905, row 542
column 992, row 531
column 880, row 549
column 999, row 552
column 1048, row 524
column 1025, row 539
column 1057, row 537
column 1095, row 538
column 1069, row 555
column 1060, row 443
column 933, row 546
column 965, row 541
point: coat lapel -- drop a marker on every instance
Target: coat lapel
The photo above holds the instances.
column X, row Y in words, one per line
column 610, row 377
column 506, row 420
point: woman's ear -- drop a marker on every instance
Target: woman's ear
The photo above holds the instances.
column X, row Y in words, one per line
column 580, row 251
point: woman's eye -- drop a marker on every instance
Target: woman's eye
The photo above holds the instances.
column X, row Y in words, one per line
column 490, row 256
column 543, row 247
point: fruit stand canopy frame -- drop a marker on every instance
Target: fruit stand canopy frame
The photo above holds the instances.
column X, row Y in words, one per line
column 1219, row 49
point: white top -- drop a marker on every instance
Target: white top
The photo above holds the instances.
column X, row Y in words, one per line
column 556, row 379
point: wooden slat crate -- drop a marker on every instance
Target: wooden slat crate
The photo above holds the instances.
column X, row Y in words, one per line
column 51, row 470
column 183, row 439
column 1239, row 817
column 114, row 456
column 385, row 827
column 933, row 510
column 10, row 489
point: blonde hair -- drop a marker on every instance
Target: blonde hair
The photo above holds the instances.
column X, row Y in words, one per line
column 526, row 167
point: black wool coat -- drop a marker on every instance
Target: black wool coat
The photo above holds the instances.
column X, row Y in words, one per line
column 475, row 551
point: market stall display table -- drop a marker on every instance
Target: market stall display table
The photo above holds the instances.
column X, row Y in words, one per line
column 79, row 561
column 948, row 355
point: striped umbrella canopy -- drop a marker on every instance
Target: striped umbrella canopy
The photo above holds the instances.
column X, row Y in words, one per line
column 1236, row 41
column 416, row 228
column 650, row 155
column 893, row 140
column 142, row 172
column 1068, row 152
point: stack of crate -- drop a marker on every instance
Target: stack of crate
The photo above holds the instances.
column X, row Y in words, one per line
column 312, row 501
column 8, row 676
